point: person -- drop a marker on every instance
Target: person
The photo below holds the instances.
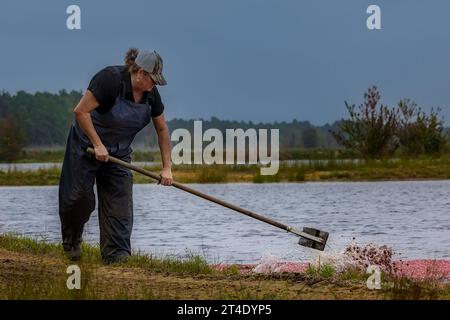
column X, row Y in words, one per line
column 118, row 103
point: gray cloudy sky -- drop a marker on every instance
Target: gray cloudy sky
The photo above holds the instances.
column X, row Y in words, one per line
column 239, row 59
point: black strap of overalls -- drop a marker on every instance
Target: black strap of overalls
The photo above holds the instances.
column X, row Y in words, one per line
column 122, row 89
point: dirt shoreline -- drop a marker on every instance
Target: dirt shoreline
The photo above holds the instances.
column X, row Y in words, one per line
column 47, row 274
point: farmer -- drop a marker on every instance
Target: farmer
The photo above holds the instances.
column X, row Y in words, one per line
column 119, row 102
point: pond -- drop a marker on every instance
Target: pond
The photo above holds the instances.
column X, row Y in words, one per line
column 413, row 217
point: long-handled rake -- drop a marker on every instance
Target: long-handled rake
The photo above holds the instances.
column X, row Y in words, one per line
column 309, row 237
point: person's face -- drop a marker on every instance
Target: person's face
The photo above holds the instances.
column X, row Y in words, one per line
column 146, row 83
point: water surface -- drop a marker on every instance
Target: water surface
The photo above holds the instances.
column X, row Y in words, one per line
column 411, row 216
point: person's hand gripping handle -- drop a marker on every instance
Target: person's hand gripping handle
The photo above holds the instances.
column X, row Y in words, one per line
column 101, row 154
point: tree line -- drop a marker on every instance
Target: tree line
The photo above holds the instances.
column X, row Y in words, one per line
column 372, row 130
column 43, row 120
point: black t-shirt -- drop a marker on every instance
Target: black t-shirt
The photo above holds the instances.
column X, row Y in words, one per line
column 106, row 86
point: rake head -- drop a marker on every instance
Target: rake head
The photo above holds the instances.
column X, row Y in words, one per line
column 312, row 243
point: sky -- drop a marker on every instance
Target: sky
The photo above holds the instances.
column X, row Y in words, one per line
column 259, row 60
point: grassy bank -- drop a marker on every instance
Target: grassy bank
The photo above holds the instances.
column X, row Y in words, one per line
column 32, row 269
column 313, row 170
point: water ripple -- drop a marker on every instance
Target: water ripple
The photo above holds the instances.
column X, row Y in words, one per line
column 412, row 217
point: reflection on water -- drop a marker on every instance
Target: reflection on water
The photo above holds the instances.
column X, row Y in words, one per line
column 412, row 217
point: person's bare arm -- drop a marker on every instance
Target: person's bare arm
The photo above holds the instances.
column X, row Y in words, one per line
column 164, row 146
column 83, row 116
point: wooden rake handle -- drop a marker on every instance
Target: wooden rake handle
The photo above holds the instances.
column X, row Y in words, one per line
column 183, row 187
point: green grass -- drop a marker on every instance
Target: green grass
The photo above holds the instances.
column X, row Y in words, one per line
column 324, row 271
column 297, row 174
column 189, row 264
column 211, row 174
column 232, row 270
column 402, row 288
column 38, row 246
column 258, row 178
column 44, row 282
column 140, row 155
column 41, row 274
column 352, row 274
column 292, row 154
column 29, row 156
column 392, row 287
column 40, row 283
column 41, row 177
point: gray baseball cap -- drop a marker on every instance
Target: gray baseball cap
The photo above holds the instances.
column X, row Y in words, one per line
column 151, row 62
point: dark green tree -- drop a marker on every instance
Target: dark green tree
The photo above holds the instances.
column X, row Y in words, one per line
column 418, row 132
column 12, row 140
column 310, row 138
column 370, row 129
